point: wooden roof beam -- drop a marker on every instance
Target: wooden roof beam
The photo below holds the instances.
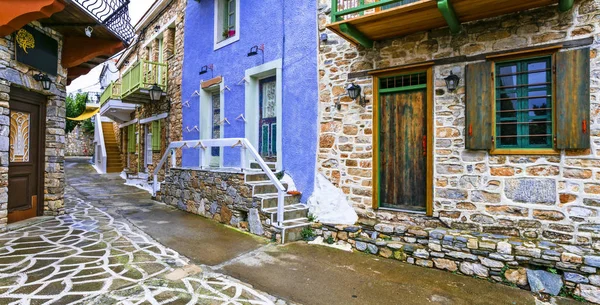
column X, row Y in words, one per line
column 78, row 50
column 14, row 14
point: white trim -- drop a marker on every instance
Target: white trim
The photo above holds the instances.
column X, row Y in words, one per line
column 253, row 76
column 160, row 32
column 218, row 31
column 205, row 95
column 154, row 118
column 151, row 13
column 128, row 123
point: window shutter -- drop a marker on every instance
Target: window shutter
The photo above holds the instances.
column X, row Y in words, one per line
column 156, row 135
column 573, row 99
column 479, row 102
column 131, row 138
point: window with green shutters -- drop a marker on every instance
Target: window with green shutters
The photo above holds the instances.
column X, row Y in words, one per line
column 524, row 103
column 536, row 105
column 131, row 138
column 156, row 135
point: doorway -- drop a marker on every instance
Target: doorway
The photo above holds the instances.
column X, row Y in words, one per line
column 403, row 154
column 26, row 155
column 267, row 121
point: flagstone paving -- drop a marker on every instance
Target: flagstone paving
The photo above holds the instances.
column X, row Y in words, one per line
column 88, row 257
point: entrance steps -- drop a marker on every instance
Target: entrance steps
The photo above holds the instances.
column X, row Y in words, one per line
column 113, row 156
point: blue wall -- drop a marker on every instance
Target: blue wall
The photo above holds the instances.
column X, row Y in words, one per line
column 288, row 29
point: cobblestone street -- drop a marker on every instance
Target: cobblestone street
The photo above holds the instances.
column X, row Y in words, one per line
column 88, row 257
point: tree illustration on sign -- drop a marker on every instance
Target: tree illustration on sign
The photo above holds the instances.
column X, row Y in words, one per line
column 25, row 40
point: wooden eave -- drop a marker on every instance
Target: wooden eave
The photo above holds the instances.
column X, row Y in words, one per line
column 424, row 15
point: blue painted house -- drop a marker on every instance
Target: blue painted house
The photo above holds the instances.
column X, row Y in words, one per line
column 250, row 71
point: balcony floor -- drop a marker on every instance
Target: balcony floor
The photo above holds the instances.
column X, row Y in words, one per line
column 425, row 15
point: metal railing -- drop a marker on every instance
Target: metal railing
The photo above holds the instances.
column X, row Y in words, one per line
column 246, row 149
column 346, row 9
column 114, row 14
column 112, row 92
column 144, row 74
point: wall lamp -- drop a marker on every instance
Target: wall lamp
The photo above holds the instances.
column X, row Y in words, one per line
column 452, row 81
column 44, row 79
column 354, row 93
column 156, row 28
column 254, row 51
column 155, row 93
column 205, row 69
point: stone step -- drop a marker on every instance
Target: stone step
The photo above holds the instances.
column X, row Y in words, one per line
column 294, row 212
column 254, row 165
column 263, row 187
column 256, row 176
column 270, row 200
column 291, row 231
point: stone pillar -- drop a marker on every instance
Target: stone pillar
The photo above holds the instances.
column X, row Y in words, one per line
column 54, row 179
column 168, row 43
column 154, row 50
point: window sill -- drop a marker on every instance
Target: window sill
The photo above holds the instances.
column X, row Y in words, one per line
column 524, row 151
column 226, row 42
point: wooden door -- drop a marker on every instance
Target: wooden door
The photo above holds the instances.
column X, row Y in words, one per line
column 267, row 123
column 26, row 155
column 215, row 152
column 403, row 150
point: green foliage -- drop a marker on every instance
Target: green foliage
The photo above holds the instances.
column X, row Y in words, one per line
column 552, row 270
column 307, row 234
column 75, row 106
column 330, row 240
column 565, row 293
column 311, row 217
column 88, row 126
column 279, row 175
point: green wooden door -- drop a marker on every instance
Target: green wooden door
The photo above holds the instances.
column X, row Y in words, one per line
column 403, row 150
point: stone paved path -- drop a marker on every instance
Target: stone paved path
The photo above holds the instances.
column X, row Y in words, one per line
column 89, row 257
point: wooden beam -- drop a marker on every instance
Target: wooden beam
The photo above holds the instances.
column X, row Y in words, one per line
column 356, row 35
column 565, row 5
column 449, row 14
column 78, row 50
column 14, row 14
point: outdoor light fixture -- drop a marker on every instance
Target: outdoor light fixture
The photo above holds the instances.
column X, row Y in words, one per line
column 354, row 93
column 205, row 69
column 156, row 28
column 155, row 93
column 452, row 81
column 88, row 31
column 254, row 51
column 44, row 79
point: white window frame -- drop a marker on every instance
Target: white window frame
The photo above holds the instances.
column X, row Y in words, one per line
column 218, row 21
column 205, row 119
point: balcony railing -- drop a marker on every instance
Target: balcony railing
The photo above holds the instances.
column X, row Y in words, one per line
column 112, row 92
column 143, row 75
column 346, row 9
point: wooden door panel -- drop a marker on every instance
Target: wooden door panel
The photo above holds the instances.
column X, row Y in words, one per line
column 403, row 160
column 20, row 200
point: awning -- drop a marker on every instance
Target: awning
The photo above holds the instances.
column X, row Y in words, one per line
column 88, row 113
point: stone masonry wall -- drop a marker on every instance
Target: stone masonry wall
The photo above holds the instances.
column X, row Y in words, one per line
column 79, row 143
column 554, row 198
column 13, row 73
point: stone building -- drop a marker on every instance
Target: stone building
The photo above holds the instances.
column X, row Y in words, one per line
column 144, row 127
column 473, row 143
column 42, row 49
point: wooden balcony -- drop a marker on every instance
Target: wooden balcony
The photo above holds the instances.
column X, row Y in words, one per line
column 365, row 21
column 136, row 82
column 112, row 92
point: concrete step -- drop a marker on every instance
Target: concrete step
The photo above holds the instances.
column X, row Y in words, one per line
column 270, row 200
column 291, row 231
column 263, row 187
column 294, row 212
column 254, row 165
column 256, row 176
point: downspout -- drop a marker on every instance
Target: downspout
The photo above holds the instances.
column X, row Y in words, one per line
column 565, row 5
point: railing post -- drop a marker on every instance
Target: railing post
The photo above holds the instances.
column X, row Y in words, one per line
column 173, row 158
column 334, row 8
column 243, row 163
column 280, row 204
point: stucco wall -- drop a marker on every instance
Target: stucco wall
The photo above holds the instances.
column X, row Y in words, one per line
column 472, row 189
column 288, row 31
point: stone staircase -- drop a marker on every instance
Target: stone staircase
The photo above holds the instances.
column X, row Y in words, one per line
column 264, row 193
column 113, row 156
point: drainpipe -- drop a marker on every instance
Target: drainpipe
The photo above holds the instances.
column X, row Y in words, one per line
column 565, row 5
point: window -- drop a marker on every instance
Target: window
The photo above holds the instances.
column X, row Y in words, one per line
column 226, row 22
column 131, row 138
column 156, row 131
column 524, row 103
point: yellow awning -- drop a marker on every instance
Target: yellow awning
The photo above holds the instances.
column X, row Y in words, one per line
column 88, row 113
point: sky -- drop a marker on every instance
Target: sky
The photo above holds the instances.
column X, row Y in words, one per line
column 88, row 82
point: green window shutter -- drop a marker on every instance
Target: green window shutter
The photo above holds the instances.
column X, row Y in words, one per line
column 573, row 99
column 156, row 135
column 131, row 138
column 479, row 101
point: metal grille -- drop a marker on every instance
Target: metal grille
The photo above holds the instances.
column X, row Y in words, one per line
column 407, row 80
column 114, row 14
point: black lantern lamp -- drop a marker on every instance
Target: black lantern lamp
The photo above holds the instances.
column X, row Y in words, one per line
column 452, row 81
column 205, row 69
column 254, row 51
column 354, row 91
column 155, row 93
column 44, row 79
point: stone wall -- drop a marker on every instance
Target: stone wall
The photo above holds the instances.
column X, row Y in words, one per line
column 79, row 143
column 13, row 73
column 173, row 55
column 554, row 198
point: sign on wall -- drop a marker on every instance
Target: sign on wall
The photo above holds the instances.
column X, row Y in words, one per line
column 37, row 50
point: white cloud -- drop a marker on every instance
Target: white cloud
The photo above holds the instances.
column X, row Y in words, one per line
column 88, row 82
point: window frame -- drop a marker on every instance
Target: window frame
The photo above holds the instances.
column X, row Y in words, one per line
column 511, row 58
column 221, row 20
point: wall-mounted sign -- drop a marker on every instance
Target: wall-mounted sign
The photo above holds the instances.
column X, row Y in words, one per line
column 37, row 50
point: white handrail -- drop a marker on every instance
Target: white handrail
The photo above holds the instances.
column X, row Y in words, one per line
column 245, row 147
column 99, row 135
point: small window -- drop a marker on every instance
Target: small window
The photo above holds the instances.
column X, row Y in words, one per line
column 131, row 138
column 524, row 103
column 226, row 22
